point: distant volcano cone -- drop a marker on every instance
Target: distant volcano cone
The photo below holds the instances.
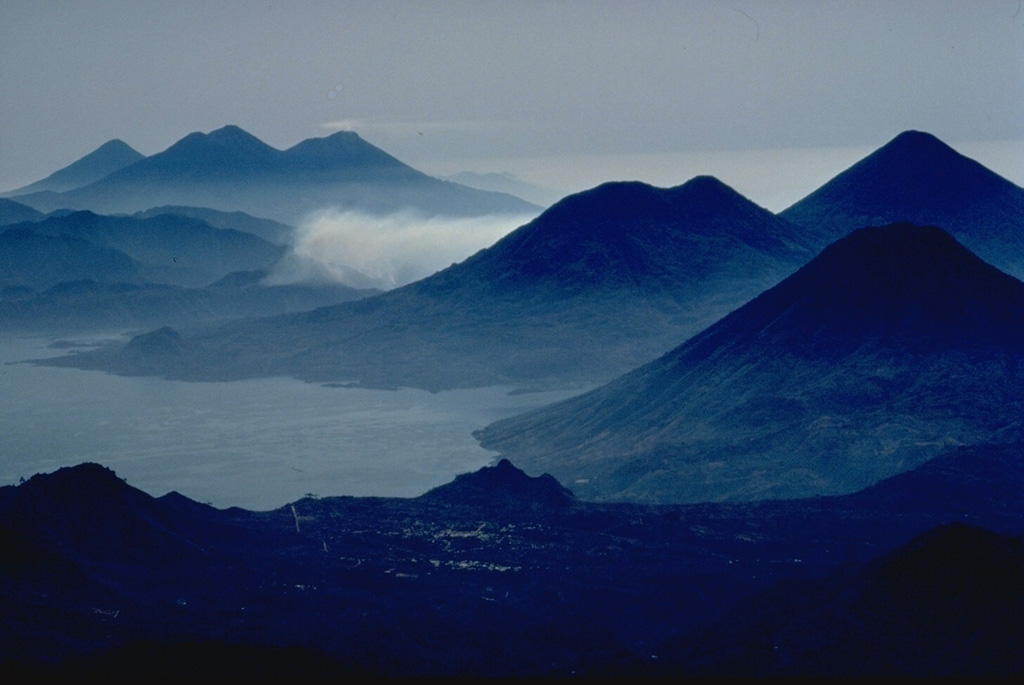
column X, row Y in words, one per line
column 231, row 170
column 103, row 161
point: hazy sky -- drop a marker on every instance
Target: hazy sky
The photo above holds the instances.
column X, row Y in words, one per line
column 563, row 93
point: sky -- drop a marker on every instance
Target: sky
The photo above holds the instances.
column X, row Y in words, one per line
column 773, row 97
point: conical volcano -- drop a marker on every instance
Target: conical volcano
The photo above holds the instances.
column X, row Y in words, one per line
column 890, row 346
column 103, row 161
column 918, row 178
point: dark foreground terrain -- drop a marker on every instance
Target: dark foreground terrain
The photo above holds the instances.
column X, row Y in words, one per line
column 501, row 574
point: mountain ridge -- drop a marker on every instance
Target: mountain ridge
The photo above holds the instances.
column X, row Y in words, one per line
column 817, row 386
column 917, row 178
column 575, row 278
column 106, row 159
column 229, row 169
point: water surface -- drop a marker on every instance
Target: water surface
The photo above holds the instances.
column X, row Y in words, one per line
column 257, row 444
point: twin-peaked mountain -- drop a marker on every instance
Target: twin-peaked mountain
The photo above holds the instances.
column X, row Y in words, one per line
column 232, row 170
column 893, row 344
column 632, row 236
column 601, row 282
column 918, row 178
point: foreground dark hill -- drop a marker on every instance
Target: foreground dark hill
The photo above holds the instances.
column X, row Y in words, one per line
column 103, row 161
column 603, row 281
column 954, row 591
column 918, row 178
column 890, row 346
column 499, row 574
column 232, row 170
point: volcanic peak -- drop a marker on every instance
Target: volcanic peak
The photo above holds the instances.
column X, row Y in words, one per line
column 890, row 285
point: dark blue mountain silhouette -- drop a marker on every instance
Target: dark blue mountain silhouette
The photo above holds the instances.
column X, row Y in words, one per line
column 12, row 212
column 171, row 248
column 501, row 485
column 103, row 161
column 918, row 178
column 632, row 235
column 892, row 345
column 598, row 284
column 37, row 261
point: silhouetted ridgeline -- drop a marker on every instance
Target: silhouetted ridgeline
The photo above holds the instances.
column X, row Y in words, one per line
column 891, row 346
column 918, row 178
column 499, row 574
column 599, row 283
column 232, row 170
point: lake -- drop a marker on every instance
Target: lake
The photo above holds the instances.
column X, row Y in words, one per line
column 257, row 444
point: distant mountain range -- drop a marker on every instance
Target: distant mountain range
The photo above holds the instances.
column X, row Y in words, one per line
column 508, row 183
column 12, row 212
column 271, row 231
column 892, row 345
column 231, row 170
column 101, row 162
column 169, row 248
column 918, row 178
column 78, row 271
column 34, row 261
column 599, row 283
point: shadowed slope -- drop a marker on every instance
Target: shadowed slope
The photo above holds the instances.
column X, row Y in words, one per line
column 600, row 283
column 892, row 344
column 103, row 161
column 918, row 178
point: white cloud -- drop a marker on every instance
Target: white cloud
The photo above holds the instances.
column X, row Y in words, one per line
column 385, row 251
